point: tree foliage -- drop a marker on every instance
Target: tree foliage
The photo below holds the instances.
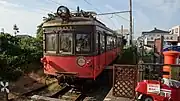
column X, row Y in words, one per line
column 16, row 53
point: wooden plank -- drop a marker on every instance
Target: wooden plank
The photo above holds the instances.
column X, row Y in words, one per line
column 37, row 97
column 110, row 97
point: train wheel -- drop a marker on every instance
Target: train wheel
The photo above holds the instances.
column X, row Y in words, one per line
column 146, row 98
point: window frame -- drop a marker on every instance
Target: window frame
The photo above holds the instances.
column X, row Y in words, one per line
column 59, row 44
column 56, row 44
column 83, row 53
column 176, row 30
column 103, row 37
column 115, row 42
column 108, row 46
column 97, row 42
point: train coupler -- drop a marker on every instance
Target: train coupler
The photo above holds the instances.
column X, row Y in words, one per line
column 66, row 78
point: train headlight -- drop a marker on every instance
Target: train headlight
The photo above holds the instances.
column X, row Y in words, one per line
column 81, row 61
column 63, row 12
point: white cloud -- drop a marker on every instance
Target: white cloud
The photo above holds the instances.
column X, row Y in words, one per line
column 8, row 4
column 167, row 7
column 26, row 21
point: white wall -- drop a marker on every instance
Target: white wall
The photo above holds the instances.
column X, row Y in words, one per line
column 175, row 30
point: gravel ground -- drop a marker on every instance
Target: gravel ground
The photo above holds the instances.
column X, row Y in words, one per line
column 26, row 83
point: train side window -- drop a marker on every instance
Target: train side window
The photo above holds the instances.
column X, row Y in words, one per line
column 115, row 42
column 108, row 42
column 83, row 43
column 111, row 42
column 97, row 43
column 102, row 43
column 51, row 42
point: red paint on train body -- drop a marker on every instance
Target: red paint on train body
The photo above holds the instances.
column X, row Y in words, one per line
column 93, row 67
column 78, row 44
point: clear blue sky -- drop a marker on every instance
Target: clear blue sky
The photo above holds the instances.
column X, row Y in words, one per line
column 27, row 14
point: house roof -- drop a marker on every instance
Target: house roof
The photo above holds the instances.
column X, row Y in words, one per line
column 155, row 30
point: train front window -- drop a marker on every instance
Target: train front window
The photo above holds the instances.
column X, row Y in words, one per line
column 83, row 43
column 65, row 42
column 51, row 42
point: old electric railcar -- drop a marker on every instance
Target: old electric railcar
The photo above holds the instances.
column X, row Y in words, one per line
column 80, row 47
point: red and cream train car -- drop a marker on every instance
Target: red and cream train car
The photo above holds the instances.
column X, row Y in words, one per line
column 79, row 47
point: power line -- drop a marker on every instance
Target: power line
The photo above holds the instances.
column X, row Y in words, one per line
column 46, row 10
column 59, row 3
column 116, row 13
column 122, row 17
column 112, row 21
column 100, row 12
column 92, row 5
column 113, row 13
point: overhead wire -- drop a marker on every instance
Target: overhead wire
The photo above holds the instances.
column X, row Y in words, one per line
column 59, row 4
column 46, row 10
column 101, row 12
column 122, row 17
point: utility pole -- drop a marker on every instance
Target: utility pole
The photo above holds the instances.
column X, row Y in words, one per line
column 130, row 11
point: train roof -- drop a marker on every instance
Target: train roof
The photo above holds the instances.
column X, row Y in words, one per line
column 76, row 21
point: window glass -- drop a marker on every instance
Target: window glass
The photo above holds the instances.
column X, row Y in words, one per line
column 83, row 43
column 65, row 42
column 171, row 38
column 115, row 42
column 176, row 30
column 51, row 44
column 102, row 42
column 111, row 41
column 97, row 42
column 108, row 42
column 173, row 31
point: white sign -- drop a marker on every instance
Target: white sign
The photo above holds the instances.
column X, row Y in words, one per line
column 4, row 88
column 166, row 92
column 153, row 88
